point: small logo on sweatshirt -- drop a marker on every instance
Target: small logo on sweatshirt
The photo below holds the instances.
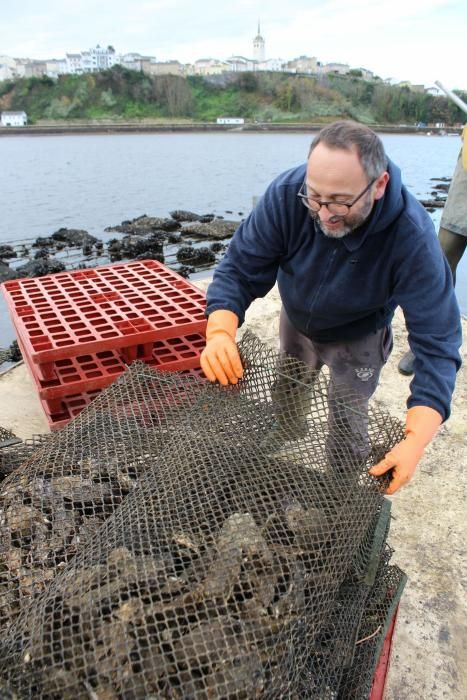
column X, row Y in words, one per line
column 364, row 373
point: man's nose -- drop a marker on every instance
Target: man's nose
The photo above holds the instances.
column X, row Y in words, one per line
column 324, row 214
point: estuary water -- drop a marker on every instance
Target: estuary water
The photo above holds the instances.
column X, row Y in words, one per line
column 93, row 181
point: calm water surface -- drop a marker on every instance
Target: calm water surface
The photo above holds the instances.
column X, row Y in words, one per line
column 94, row 181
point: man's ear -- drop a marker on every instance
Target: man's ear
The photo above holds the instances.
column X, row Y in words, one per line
column 380, row 185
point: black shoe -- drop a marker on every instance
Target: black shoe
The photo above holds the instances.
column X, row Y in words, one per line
column 405, row 366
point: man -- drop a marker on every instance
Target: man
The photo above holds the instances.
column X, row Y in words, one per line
column 344, row 240
column 452, row 235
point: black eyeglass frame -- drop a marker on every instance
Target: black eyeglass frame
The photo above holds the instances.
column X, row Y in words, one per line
column 342, row 208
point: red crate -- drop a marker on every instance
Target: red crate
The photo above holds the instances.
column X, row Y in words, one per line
column 381, row 673
column 111, row 307
column 68, row 407
column 59, row 412
column 87, row 372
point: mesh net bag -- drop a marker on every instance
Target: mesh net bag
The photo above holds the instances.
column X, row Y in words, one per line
column 342, row 661
column 365, row 565
column 333, row 650
column 72, row 480
column 14, row 451
column 182, row 540
column 6, row 436
column 380, row 608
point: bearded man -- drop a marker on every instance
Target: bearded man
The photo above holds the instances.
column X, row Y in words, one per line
column 346, row 243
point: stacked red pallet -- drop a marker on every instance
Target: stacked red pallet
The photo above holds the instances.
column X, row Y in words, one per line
column 79, row 330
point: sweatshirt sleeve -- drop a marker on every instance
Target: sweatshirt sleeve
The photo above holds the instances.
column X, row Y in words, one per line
column 249, row 267
column 425, row 291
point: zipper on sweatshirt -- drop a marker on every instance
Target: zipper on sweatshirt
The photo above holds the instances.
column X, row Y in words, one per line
column 323, row 280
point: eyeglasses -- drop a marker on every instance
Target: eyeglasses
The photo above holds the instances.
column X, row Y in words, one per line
column 336, row 208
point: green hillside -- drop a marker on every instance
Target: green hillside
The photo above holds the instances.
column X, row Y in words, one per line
column 276, row 97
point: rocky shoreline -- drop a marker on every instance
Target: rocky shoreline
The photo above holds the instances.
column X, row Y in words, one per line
column 177, row 240
column 185, row 241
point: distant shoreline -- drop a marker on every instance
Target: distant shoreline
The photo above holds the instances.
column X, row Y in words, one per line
column 203, row 127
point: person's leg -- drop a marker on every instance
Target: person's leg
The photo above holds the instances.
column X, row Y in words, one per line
column 291, row 392
column 355, row 369
column 297, row 345
column 453, row 246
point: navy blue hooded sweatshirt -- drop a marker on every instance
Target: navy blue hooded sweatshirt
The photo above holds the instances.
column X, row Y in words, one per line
column 343, row 289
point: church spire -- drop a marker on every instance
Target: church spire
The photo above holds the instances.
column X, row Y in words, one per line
column 258, row 45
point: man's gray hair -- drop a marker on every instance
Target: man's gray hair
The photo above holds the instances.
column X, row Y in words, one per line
column 347, row 135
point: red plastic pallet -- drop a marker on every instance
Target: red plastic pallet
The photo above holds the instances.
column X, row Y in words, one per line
column 87, row 372
column 116, row 306
column 381, row 673
column 71, row 406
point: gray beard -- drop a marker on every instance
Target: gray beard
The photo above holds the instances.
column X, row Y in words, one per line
column 352, row 226
column 335, row 234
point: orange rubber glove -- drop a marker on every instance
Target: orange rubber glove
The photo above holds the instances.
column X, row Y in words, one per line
column 421, row 425
column 220, row 358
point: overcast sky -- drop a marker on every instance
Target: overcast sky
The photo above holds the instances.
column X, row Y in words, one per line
column 417, row 40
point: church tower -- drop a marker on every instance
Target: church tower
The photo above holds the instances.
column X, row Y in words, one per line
column 258, row 46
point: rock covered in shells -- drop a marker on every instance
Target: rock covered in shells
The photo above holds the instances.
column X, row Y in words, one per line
column 73, row 237
column 145, row 224
column 218, row 229
column 182, row 215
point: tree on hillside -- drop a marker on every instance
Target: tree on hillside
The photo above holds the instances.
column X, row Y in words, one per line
column 247, row 81
column 173, row 93
column 120, row 91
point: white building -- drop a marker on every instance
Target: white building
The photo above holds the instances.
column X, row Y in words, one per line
column 238, row 64
column 273, row 64
column 35, row 69
column 7, row 68
column 210, row 66
column 55, row 67
column 5, row 72
column 339, row 68
column 102, row 59
column 14, row 119
column 165, row 68
column 135, row 61
column 21, row 67
column 302, row 64
column 259, row 44
column 131, row 61
column 366, row 74
column 74, row 65
column 91, row 61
